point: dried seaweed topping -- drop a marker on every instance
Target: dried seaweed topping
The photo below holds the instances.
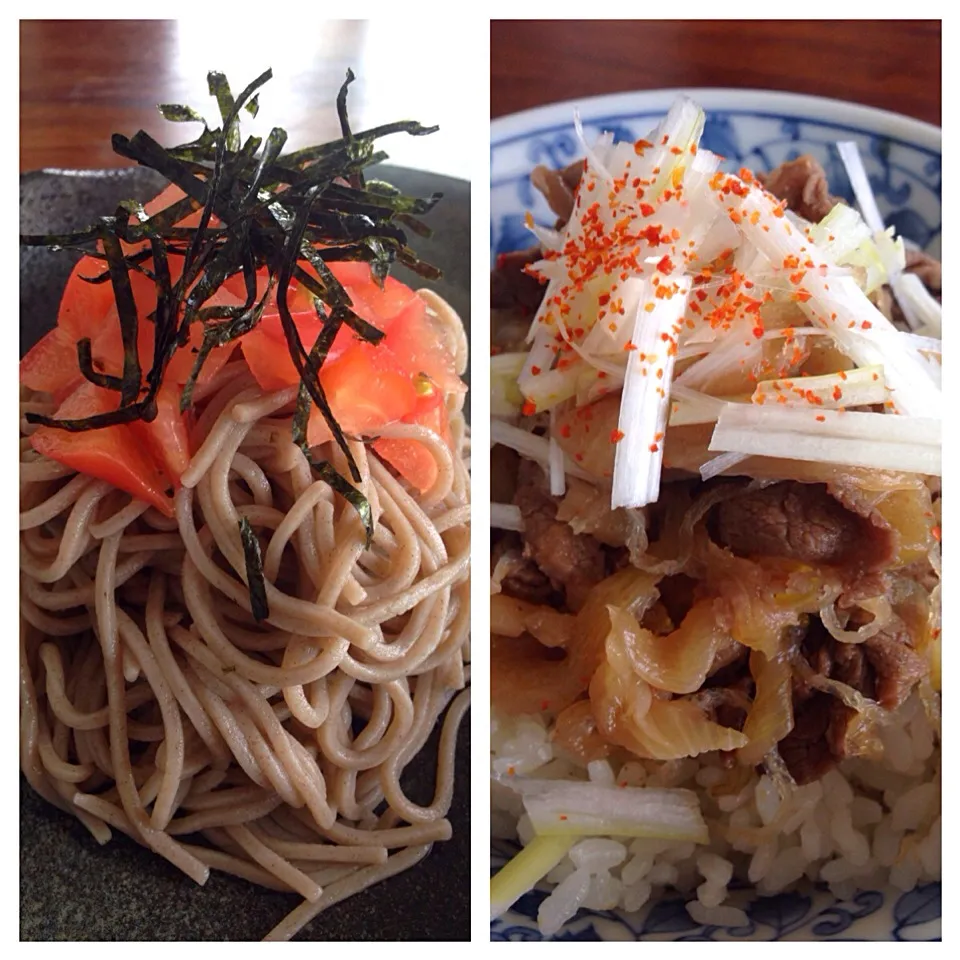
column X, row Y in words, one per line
column 261, row 208
column 254, row 564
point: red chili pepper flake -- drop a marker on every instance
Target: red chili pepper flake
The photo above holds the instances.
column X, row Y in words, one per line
column 529, row 408
column 866, row 325
column 641, row 145
column 535, row 371
column 653, row 448
column 837, row 392
column 758, row 332
column 646, row 210
column 876, row 376
column 565, row 431
column 603, row 299
column 616, row 436
column 821, row 417
column 663, row 142
column 629, row 345
column 578, row 457
column 651, row 234
column 665, row 265
column 544, row 704
column 936, row 533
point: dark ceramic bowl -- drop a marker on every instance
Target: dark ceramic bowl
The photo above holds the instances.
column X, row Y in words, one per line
column 73, row 889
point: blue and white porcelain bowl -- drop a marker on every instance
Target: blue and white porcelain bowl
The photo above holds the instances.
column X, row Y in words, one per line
column 756, row 129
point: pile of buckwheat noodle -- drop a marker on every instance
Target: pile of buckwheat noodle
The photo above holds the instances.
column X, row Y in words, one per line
column 153, row 703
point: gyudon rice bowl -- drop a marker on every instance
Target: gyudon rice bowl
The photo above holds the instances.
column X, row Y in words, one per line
column 716, row 548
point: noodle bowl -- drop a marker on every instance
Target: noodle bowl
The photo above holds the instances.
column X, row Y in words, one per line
column 152, row 701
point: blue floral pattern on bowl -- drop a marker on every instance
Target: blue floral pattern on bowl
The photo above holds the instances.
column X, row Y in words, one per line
column 906, row 175
column 799, row 915
column 757, row 130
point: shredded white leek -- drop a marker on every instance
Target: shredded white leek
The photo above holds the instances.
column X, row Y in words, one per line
column 532, row 447
column 525, row 871
column 919, row 308
column 505, row 516
column 608, row 327
column 861, row 387
column 851, row 438
column 564, row 808
column 841, row 307
column 720, row 464
column 505, row 397
column 558, row 478
column 645, row 401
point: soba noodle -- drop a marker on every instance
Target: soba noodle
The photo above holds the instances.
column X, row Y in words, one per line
column 153, row 703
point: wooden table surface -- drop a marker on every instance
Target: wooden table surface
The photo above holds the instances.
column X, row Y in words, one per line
column 81, row 81
column 892, row 64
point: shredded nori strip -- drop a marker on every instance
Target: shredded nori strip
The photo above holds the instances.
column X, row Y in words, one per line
column 289, row 213
column 254, row 563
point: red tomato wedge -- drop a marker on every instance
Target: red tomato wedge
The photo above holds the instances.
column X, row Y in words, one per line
column 362, row 398
column 111, row 453
column 51, row 365
column 166, row 438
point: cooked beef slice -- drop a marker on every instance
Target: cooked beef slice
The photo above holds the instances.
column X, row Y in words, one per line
column 573, row 562
column 802, row 183
column 800, row 521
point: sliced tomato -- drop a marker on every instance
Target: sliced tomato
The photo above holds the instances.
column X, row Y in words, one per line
column 84, row 305
column 51, row 365
column 414, row 344
column 268, row 356
column 362, row 398
column 368, row 386
column 370, row 302
column 113, row 453
column 166, row 437
column 107, row 352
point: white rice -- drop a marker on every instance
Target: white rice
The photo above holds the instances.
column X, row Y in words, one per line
column 863, row 825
